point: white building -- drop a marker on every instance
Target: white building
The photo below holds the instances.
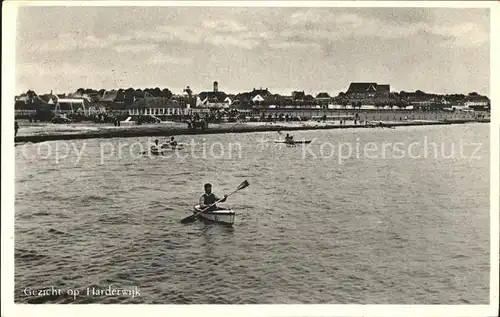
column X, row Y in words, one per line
column 69, row 105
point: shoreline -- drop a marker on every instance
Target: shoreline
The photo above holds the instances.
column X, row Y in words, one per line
column 163, row 131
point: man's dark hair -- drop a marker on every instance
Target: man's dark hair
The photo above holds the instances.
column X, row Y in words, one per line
column 208, row 185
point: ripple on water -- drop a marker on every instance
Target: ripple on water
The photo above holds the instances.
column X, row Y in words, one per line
column 28, row 255
column 56, row 231
column 306, row 231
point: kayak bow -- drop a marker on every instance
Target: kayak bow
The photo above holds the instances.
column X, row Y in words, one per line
column 293, row 142
column 220, row 215
column 168, row 146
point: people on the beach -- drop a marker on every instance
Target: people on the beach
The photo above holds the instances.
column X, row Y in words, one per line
column 209, row 198
column 16, row 127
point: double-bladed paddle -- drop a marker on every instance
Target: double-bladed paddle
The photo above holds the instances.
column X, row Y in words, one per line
column 193, row 217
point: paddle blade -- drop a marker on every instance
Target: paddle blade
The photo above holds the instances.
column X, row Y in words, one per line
column 243, row 185
column 189, row 219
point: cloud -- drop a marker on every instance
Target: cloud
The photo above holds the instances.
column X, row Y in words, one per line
column 135, row 48
column 210, row 34
column 224, row 26
column 164, row 59
column 296, row 45
column 267, row 35
column 305, row 16
column 312, row 25
column 356, row 43
column 37, row 69
column 119, row 38
column 156, row 35
column 73, row 41
column 398, row 15
column 302, row 29
column 241, row 42
column 187, row 34
column 70, row 41
column 464, row 34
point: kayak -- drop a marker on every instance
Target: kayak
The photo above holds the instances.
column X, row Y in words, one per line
column 155, row 151
column 293, row 142
column 221, row 215
column 168, row 146
column 163, row 150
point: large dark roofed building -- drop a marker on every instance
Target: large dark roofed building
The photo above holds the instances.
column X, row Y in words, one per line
column 262, row 92
column 49, row 98
column 383, row 88
column 368, row 90
column 383, row 91
column 362, row 87
column 23, row 102
column 323, row 95
column 112, row 96
column 31, row 101
column 298, row 95
column 214, row 96
column 248, row 97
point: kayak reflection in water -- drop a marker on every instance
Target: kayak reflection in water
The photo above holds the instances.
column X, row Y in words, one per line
column 209, row 198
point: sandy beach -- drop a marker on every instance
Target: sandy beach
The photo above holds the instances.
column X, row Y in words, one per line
column 42, row 132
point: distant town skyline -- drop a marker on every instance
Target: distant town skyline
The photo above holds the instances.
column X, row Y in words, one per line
column 437, row 50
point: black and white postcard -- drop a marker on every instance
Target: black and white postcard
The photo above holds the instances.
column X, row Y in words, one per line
column 250, row 158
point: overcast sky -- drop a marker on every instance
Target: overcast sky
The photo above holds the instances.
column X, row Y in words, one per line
column 283, row 49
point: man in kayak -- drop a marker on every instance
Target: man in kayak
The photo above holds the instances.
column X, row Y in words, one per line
column 209, row 198
column 289, row 139
column 155, row 148
column 173, row 143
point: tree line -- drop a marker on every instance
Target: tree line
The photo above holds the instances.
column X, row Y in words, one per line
column 129, row 93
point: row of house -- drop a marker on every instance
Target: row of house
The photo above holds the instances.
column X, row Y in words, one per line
column 357, row 94
column 76, row 102
column 216, row 98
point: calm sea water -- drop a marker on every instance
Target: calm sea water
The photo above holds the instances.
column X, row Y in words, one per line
column 372, row 228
